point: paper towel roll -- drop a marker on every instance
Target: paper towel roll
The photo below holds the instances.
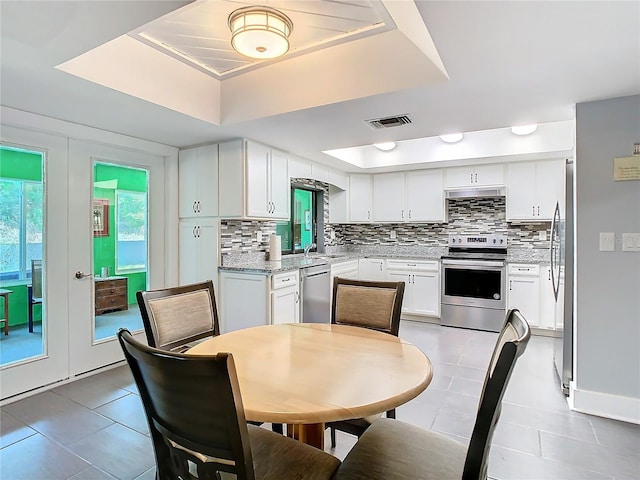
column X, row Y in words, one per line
column 275, row 248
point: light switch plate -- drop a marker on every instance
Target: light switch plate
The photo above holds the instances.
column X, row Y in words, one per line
column 631, row 242
column 259, row 236
column 607, row 241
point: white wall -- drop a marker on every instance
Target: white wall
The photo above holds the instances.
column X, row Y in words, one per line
column 607, row 371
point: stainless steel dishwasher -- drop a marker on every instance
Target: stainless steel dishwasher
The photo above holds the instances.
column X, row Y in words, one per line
column 316, row 294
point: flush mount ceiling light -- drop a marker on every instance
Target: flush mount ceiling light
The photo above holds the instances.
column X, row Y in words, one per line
column 451, row 137
column 260, row 32
column 385, row 146
column 524, row 129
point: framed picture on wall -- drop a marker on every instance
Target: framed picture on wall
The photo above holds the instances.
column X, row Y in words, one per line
column 100, row 217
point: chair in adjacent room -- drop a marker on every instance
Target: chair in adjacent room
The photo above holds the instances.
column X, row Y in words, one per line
column 34, row 290
column 367, row 304
column 176, row 318
column 391, row 449
column 197, row 424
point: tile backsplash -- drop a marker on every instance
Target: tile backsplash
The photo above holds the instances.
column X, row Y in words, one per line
column 469, row 215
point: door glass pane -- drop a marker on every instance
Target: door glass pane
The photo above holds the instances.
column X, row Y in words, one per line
column 120, row 246
column 21, row 255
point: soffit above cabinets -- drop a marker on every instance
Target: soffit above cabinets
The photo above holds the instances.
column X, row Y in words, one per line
column 198, row 34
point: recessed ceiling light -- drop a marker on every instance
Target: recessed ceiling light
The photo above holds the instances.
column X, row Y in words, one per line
column 385, row 146
column 451, row 137
column 524, row 129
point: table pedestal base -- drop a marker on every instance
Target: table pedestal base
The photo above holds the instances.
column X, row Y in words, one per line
column 309, row 433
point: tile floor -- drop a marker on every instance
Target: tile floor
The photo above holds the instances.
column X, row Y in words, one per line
column 95, row 428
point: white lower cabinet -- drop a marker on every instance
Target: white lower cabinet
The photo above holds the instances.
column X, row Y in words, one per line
column 547, row 300
column 198, row 249
column 371, row 269
column 285, row 297
column 422, row 285
column 524, row 291
column 254, row 299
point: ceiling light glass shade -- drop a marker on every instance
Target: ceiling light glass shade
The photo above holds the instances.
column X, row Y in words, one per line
column 451, row 138
column 524, row 129
column 260, row 32
column 385, row 146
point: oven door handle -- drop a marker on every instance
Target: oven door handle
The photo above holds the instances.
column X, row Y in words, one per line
column 473, row 263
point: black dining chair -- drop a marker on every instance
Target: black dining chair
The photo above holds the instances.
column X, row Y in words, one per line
column 197, row 424
column 394, row 450
column 367, row 304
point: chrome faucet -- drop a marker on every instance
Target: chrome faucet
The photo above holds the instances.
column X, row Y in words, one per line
column 307, row 248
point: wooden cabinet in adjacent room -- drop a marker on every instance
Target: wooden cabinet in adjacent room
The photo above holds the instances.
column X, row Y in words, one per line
column 110, row 294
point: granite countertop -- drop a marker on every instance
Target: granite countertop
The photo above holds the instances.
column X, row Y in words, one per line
column 254, row 262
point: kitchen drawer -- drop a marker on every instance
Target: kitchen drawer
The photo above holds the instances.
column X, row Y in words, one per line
column 523, row 269
column 413, row 265
column 285, row 279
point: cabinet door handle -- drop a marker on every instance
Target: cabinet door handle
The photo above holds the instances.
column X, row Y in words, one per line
column 538, row 210
column 510, row 284
column 476, row 178
column 549, row 272
column 409, row 213
column 273, row 207
column 380, row 267
column 533, row 210
column 471, row 178
column 194, row 208
column 368, row 214
column 199, row 209
column 194, row 232
column 403, row 214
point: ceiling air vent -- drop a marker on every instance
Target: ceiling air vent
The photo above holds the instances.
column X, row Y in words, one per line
column 388, row 122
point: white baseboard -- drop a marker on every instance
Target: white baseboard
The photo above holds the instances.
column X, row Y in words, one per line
column 617, row 407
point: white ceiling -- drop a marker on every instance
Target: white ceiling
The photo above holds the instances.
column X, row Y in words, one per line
column 507, row 63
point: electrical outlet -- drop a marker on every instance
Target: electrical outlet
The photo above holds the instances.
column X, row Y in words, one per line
column 393, row 235
column 259, row 236
column 332, row 235
column 542, row 235
column 631, row 242
column 607, row 242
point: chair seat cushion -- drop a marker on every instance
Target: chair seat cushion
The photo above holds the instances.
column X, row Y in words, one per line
column 276, row 457
column 391, row 449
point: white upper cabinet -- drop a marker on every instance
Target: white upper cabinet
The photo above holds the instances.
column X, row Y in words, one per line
column 388, row 197
column 339, row 179
column 475, row 176
column 533, row 188
column 320, row 172
column 299, row 168
column 254, row 181
column 414, row 196
column 425, row 196
column 360, row 197
column 198, row 182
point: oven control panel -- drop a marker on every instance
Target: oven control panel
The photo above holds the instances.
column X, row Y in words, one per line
column 477, row 241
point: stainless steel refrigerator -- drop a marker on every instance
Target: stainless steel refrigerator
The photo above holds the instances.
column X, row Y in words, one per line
column 562, row 273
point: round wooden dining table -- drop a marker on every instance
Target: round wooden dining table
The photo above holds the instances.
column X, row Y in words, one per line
column 306, row 374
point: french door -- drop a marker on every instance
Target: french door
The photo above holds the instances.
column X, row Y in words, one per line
column 72, row 341
column 96, row 250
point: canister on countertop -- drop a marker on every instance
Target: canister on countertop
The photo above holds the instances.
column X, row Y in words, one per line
column 104, row 272
column 275, row 248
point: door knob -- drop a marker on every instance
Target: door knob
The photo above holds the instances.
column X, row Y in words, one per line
column 80, row 275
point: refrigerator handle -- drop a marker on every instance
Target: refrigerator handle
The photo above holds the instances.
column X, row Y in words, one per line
column 554, row 226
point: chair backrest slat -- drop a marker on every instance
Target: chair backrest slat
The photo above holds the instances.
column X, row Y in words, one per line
column 175, row 316
column 370, row 304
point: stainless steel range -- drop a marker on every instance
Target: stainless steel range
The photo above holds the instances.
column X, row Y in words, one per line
column 474, row 282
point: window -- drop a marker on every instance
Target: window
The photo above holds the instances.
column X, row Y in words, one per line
column 302, row 229
column 21, row 209
column 131, row 231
